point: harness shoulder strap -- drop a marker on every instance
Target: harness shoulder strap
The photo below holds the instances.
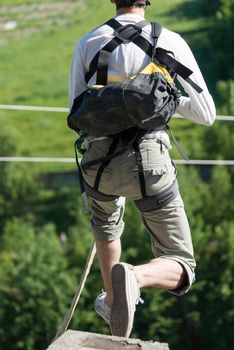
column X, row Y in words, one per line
column 164, row 58
column 156, row 31
column 109, row 47
column 123, row 34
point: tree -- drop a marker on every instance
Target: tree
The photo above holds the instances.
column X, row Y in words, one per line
column 18, row 184
column 213, row 46
column 35, row 286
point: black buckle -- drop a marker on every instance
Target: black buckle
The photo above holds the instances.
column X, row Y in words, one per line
column 127, row 33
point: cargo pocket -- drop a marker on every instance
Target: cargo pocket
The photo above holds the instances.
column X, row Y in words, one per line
column 157, row 177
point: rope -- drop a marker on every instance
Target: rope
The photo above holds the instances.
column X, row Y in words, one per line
column 66, row 110
column 229, row 118
column 204, row 162
column 76, row 298
column 34, row 108
column 37, row 159
column 72, row 160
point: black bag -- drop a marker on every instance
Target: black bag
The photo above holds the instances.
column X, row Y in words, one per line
column 147, row 101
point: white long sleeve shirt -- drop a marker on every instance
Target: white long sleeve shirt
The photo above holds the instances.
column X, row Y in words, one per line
column 128, row 59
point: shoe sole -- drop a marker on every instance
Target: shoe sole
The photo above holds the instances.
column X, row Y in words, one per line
column 121, row 317
column 102, row 316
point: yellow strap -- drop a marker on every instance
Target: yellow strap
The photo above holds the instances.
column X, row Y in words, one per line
column 149, row 69
column 153, row 68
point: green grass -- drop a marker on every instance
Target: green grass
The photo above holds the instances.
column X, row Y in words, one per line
column 35, row 62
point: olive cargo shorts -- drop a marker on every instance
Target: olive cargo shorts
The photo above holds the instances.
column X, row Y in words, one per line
column 168, row 227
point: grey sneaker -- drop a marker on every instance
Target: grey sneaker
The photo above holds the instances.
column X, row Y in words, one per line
column 126, row 295
column 101, row 308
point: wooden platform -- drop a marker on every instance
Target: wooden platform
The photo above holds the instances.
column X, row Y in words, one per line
column 74, row 340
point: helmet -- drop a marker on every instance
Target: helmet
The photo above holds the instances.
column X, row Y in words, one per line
column 137, row 3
